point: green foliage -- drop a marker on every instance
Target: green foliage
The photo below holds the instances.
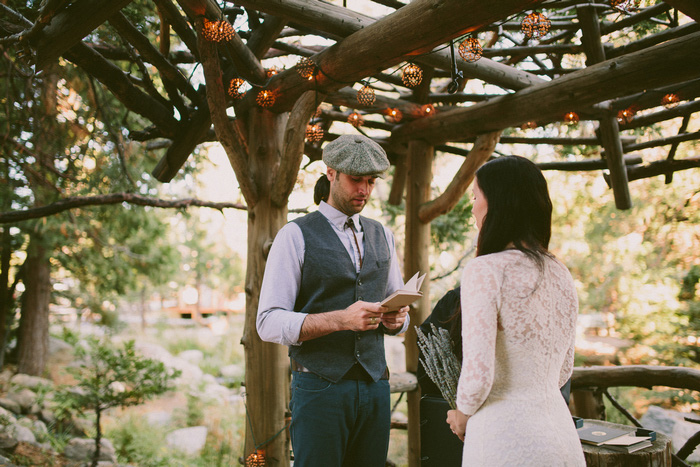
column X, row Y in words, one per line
column 110, row 376
column 138, row 442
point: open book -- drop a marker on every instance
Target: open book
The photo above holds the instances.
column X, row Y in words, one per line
column 406, row 295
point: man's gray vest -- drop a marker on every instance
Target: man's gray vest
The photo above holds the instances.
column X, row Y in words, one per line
column 329, row 282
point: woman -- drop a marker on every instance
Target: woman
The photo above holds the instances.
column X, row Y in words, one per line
column 519, row 308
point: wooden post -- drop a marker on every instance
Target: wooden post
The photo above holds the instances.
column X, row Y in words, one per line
column 416, row 258
column 609, row 129
column 266, row 364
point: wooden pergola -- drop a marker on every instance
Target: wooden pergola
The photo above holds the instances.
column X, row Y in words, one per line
column 528, row 80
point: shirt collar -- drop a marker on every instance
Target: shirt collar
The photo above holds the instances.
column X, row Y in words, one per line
column 338, row 218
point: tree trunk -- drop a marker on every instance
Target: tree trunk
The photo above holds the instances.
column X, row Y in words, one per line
column 33, row 340
column 416, row 258
column 267, row 365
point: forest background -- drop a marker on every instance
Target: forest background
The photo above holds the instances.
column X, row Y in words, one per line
column 62, row 136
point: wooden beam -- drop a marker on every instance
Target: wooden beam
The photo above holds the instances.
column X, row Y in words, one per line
column 481, row 151
column 229, row 134
column 186, row 140
column 409, row 32
column 264, row 36
column 534, row 49
column 680, row 110
column 643, row 376
column 648, row 98
column 65, row 29
column 653, row 39
column 122, row 88
column 663, row 141
column 689, row 7
column 662, row 167
column 671, row 62
column 609, row 129
column 586, row 165
column 646, row 13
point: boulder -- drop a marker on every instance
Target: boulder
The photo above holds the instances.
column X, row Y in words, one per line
column 31, row 382
column 189, row 440
column 82, row 449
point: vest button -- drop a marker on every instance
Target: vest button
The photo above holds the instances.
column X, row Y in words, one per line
column 357, row 354
column 359, row 282
column 359, row 298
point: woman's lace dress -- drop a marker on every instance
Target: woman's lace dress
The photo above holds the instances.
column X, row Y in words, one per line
column 518, row 329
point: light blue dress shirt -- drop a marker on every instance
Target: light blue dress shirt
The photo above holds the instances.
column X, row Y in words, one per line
column 276, row 320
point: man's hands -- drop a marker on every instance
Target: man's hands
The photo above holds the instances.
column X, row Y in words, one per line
column 360, row 316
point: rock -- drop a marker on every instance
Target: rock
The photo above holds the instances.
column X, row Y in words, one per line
column 7, row 442
column 9, row 405
column 21, row 433
column 232, row 372
column 682, row 431
column 192, row 356
column 190, row 373
column 188, row 440
column 674, row 425
column 159, row 418
column 26, row 398
column 82, row 449
column 28, row 381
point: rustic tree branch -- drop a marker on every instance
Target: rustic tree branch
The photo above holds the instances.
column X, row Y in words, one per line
column 112, row 198
column 643, row 376
column 480, row 152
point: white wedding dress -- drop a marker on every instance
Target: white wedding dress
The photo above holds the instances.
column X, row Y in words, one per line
column 518, row 329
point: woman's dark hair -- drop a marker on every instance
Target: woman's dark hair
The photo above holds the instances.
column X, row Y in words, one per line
column 519, row 210
column 322, row 189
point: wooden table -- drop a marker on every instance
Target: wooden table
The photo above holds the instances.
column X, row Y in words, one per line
column 656, row 455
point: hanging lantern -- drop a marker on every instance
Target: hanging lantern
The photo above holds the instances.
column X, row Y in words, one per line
column 535, row 25
column 394, row 115
column 427, row 110
column 306, row 68
column 625, row 4
column 529, row 125
column 266, row 98
column 355, row 119
column 625, row 116
column 365, row 95
column 256, row 459
column 470, row 50
column 234, row 88
column 272, row 71
column 670, row 100
column 218, row 31
column 314, row 133
column 571, row 118
column 412, row 75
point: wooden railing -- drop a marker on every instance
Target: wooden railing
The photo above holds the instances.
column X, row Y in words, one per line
column 590, row 384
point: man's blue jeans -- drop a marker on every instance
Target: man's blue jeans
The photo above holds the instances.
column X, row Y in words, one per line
column 339, row 424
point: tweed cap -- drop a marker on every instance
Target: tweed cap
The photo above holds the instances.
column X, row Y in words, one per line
column 355, row 155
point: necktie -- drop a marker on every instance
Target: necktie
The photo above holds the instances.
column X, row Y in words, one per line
column 351, row 225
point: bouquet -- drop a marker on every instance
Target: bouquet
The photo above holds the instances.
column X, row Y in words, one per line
column 440, row 363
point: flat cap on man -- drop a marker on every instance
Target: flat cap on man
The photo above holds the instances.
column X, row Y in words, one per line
column 355, row 155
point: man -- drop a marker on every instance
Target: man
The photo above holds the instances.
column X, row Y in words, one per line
column 320, row 296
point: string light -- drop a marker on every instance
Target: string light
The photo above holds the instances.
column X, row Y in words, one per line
column 306, row 68
column 470, row 50
column 535, row 25
column 625, row 116
column 427, row 110
column 529, row 125
column 365, row 95
column 266, row 98
column 272, row 71
column 571, row 118
column 355, row 119
column 412, row 75
column 256, row 459
column 394, row 115
column 218, row 31
column 670, row 100
column 314, row 133
column 234, row 88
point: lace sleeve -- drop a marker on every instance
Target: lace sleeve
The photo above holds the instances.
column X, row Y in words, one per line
column 568, row 367
column 480, row 299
